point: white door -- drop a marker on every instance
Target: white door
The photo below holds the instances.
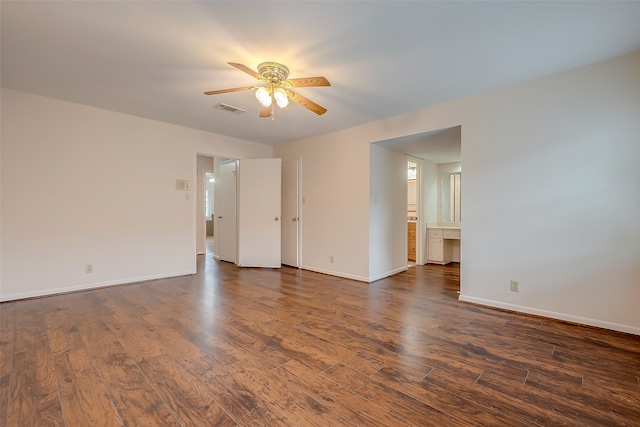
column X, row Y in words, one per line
column 290, row 215
column 225, row 235
column 259, row 218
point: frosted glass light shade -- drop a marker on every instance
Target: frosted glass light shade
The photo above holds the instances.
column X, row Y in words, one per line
column 281, row 97
column 264, row 98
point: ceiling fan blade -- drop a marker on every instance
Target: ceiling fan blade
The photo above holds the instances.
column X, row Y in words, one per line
column 266, row 111
column 308, row 104
column 246, row 70
column 309, row 82
column 235, row 89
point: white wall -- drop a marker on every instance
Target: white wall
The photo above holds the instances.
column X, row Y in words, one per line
column 334, row 217
column 551, row 196
column 81, row 185
column 387, row 212
column 551, row 193
column 430, row 191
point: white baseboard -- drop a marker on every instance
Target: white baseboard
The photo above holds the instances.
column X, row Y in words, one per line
column 387, row 274
column 84, row 287
column 335, row 273
column 352, row 276
column 553, row 315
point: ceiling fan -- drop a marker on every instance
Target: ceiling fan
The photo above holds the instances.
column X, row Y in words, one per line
column 277, row 88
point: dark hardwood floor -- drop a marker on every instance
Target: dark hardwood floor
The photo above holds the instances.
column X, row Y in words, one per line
column 254, row 347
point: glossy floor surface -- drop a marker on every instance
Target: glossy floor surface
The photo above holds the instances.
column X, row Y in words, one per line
column 256, row 347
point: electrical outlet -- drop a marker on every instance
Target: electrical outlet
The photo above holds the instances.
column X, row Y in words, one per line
column 514, row 286
column 331, row 259
column 187, row 196
column 88, row 268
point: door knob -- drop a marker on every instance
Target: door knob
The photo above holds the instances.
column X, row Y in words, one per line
column 219, row 217
column 294, row 219
column 277, row 219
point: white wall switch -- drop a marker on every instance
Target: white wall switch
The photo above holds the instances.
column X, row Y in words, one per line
column 183, row 184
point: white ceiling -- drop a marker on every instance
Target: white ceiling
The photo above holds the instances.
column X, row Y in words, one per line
column 438, row 146
column 154, row 59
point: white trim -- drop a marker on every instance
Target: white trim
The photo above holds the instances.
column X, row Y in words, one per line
column 388, row 273
column 300, row 224
column 335, row 273
column 85, row 287
column 193, row 194
column 553, row 315
column 352, row 276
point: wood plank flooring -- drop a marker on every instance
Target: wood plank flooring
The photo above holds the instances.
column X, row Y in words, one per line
column 261, row 347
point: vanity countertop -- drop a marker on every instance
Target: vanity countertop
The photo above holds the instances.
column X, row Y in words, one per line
column 447, row 227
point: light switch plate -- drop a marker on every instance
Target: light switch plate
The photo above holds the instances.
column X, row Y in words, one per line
column 183, row 184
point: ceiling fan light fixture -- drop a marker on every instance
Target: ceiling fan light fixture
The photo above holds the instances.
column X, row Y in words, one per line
column 276, row 88
column 264, row 97
column 281, row 97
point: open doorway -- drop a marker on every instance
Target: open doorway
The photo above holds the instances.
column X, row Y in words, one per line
column 245, row 207
column 291, row 252
column 434, row 153
column 209, row 181
column 413, row 207
column 216, row 207
column 204, row 204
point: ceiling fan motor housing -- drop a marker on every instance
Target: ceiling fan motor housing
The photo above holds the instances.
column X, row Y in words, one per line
column 273, row 72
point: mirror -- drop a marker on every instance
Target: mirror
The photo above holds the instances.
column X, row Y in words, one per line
column 450, row 197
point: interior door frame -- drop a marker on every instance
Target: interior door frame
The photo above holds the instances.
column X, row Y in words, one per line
column 298, row 196
column 300, row 214
column 420, row 224
column 194, row 208
column 201, row 187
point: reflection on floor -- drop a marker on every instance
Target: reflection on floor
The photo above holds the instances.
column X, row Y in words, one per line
column 289, row 347
column 209, row 246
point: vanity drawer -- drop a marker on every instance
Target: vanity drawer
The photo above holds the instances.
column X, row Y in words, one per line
column 451, row 234
column 434, row 232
